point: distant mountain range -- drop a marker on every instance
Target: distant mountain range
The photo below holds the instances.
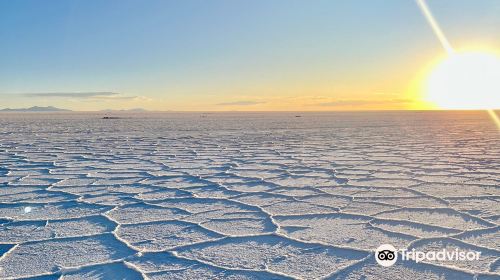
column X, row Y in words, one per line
column 36, row 109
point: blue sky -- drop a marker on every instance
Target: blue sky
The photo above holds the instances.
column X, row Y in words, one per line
column 231, row 54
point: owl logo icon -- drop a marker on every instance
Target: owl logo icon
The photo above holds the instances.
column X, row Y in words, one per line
column 386, row 255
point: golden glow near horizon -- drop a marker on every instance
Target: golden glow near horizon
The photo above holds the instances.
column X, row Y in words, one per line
column 465, row 80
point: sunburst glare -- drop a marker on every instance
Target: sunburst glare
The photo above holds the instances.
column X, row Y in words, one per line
column 464, row 80
column 468, row 80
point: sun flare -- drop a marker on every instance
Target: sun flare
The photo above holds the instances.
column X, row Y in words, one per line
column 465, row 80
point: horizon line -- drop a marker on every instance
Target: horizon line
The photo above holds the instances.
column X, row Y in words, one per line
column 132, row 111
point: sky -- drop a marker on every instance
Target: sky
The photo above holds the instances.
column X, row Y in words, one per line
column 219, row 55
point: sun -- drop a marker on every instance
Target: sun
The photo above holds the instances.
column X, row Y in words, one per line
column 465, row 80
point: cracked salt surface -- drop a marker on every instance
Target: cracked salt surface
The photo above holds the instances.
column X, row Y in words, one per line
column 247, row 196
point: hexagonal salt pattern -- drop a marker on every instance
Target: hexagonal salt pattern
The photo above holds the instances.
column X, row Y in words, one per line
column 247, row 196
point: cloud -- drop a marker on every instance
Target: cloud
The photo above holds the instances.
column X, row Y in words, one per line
column 73, row 94
column 360, row 102
column 90, row 96
column 115, row 97
column 241, row 103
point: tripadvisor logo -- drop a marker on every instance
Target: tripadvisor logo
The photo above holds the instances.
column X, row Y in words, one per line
column 387, row 255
